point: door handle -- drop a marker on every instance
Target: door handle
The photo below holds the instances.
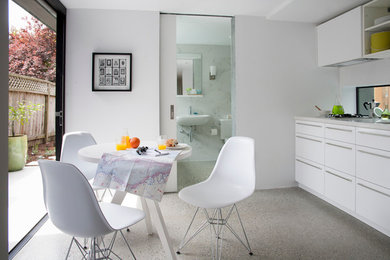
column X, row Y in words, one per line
column 60, row 116
column 374, row 154
column 339, row 176
column 339, row 129
column 172, row 112
column 310, row 139
column 319, row 168
column 369, row 133
column 341, row 146
column 360, row 184
column 298, row 123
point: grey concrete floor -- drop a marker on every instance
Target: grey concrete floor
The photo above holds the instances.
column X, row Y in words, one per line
column 281, row 224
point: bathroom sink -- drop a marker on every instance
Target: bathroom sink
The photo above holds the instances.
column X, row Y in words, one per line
column 191, row 120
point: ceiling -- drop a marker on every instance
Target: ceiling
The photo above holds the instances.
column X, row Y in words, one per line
column 309, row 11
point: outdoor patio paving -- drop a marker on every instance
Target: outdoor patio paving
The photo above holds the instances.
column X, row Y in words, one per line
column 25, row 202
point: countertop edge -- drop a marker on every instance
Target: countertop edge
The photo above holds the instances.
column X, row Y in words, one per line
column 344, row 121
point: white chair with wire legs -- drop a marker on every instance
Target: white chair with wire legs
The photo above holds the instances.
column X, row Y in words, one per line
column 232, row 180
column 72, row 142
column 74, row 209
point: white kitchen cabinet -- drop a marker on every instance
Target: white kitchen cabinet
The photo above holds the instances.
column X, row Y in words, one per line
column 373, row 165
column 340, row 156
column 340, row 39
column 309, row 147
column 354, row 172
column 372, row 203
column 340, row 188
column 309, row 174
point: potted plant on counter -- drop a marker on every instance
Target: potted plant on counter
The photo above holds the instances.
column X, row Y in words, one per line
column 17, row 143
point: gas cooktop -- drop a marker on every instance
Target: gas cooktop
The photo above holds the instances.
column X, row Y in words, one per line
column 345, row 116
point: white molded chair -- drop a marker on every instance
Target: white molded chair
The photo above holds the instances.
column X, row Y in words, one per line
column 232, row 180
column 72, row 142
column 73, row 208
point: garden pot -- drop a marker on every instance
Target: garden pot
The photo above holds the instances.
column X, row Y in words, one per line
column 17, row 152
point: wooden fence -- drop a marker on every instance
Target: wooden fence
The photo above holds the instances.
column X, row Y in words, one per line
column 41, row 126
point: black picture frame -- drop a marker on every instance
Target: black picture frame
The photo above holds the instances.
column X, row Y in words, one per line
column 111, row 71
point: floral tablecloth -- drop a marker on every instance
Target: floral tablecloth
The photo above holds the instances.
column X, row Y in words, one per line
column 144, row 175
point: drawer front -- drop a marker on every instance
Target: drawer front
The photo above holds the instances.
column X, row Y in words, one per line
column 378, row 139
column 373, row 165
column 309, row 147
column 309, row 174
column 340, row 188
column 309, row 128
column 372, row 202
column 340, row 156
column 340, row 133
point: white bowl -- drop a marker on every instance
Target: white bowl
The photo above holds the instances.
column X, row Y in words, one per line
column 323, row 113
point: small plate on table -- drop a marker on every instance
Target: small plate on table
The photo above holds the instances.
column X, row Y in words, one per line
column 179, row 146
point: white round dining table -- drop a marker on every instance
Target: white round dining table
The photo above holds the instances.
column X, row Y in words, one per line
column 93, row 153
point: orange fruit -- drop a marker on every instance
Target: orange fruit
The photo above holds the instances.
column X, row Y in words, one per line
column 134, row 142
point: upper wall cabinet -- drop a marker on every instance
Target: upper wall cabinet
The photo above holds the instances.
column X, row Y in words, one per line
column 340, row 39
column 359, row 35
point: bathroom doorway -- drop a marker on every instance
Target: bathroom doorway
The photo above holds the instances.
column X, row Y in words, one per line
column 197, row 78
column 204, row 87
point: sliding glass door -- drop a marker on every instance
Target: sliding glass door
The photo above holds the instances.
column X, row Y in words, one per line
column 36, row 86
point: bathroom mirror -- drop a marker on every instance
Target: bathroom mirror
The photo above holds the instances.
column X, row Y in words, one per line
column 189, row 73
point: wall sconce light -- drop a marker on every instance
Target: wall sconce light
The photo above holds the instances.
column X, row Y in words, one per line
column 213, row 72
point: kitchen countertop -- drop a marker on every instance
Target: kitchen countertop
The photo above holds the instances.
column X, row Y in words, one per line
column 357, row 122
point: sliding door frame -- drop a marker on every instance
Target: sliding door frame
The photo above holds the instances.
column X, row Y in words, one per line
column 60, row 73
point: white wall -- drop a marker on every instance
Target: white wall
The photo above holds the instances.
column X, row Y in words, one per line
column 4, row 129
column 277, row 78
column 105, row 114
column 366, row 74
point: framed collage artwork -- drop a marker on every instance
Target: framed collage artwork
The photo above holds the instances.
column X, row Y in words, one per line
column 111, row 71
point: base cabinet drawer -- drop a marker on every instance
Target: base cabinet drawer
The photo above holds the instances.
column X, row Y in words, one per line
column 340, row 133
column 373, row 203
column 340, row 156
column 311, row 148
column 309, row 128
column 373, row 165
column 379, row 139
column 340, row 188
column 309, row 174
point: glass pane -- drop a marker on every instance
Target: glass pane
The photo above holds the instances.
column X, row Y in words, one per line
column 370, row 97
column 206, row 42
column 32, row 71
